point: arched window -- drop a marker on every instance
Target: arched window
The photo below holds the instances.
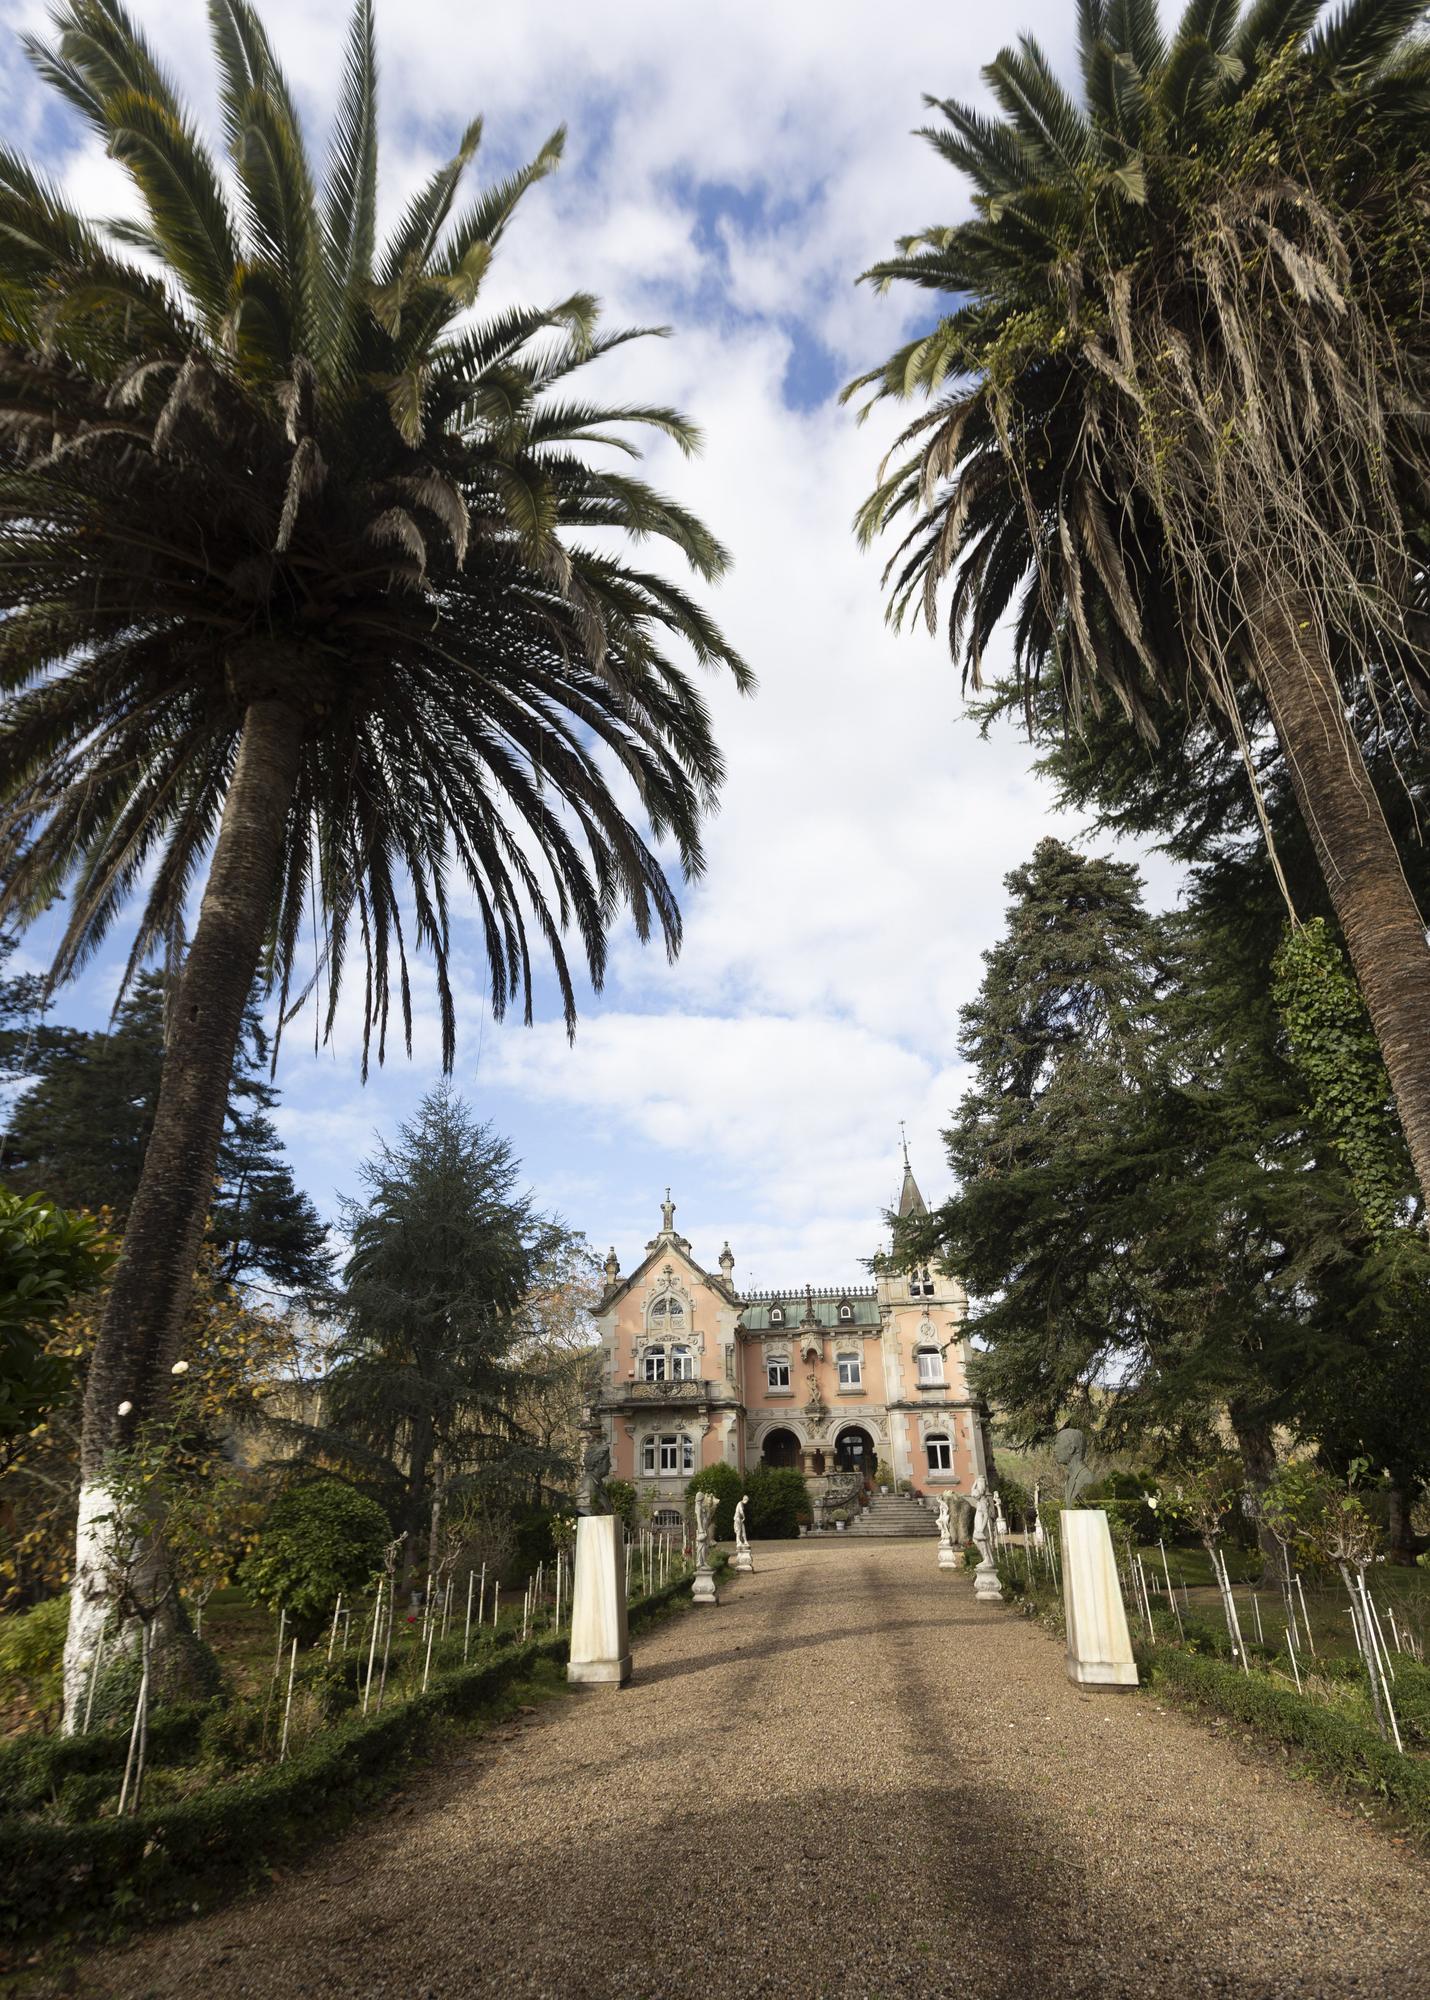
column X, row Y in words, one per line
column 668, row 1519
column 682, row 1365
column 940, row 1452
column 846, row 1312
column 777, row 1317
column 654, row 1366
column 930, row 1362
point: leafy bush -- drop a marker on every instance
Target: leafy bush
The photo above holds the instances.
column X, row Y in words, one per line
column 779, row 1501
column 535, row 1542
column 624, row 1503
column 883, row 1474
column 318, row 1541
column 32, row 1646
column 727, row 1486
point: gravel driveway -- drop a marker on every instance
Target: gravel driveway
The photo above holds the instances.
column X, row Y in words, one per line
column 846, row 1780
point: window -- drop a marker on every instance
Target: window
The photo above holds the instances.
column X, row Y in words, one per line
column 846, row 1312
column 677, row 1454
column 778, row 1373
column 682, row 1365
column 777, row 1317
column 921, row 1284
column 930, row 1367
column 851, row 1371
column 940, row 1453
column 668, row 1520
column 654, row 1369
column 671, row 1453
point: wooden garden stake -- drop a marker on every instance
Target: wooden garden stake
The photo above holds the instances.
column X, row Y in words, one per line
column 482, row 1595
column 558, row 1592
column 387, row 1642
column 93, row 1678
column 427, row 1663
column 1171, row 1594
column 337, row 1612
column 1304, row 1619
column 288, row 1704
column 467, row 1629
column 1256, row 1608
column 141, row 1703
column 273, row 1677
column 496, row 1606
column 447, row 1607
column 372, row 1649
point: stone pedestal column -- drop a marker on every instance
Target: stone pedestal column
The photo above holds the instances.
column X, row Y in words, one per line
column 1099, row 1644
column 702, row 1591
column 946, row 1557
column 600, row 1649
column 744, row 1562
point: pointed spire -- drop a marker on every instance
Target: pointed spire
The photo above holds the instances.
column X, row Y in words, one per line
column 911, row 1202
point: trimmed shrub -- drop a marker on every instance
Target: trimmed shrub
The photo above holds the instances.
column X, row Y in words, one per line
column 779, row 1501
column 623, row 1500
column 727, row 1486
column 319, row 1540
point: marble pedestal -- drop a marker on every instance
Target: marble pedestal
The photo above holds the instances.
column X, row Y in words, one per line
column 946, row 1557
column 744, row 1563
column 600, row 1648
column 1099, row 1645
column 986, row 1587
column 702, row 1591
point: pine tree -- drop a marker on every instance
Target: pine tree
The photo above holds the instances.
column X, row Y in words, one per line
column 422, row 1394
column 79, row 1132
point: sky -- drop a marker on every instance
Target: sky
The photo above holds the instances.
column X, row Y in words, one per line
column 730, row 169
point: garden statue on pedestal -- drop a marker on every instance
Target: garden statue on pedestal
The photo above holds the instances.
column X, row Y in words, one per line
column 744, row 1561
column 595, row 1471
column 946, row 1557
column 985, row 1578
column 703, row 1590
column 1070, row 1451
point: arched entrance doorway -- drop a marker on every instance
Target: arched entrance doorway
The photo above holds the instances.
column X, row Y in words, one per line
column 854, row 1451
column 781, row 1448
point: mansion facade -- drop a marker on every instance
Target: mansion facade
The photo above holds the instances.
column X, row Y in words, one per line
column 832, row 1380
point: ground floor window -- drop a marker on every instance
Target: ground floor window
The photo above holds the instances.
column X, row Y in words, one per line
column 669, row 1453
column 940, row 1453
column 667, row 1519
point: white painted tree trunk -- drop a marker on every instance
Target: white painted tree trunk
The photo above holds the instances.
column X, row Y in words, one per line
column 91, row 1602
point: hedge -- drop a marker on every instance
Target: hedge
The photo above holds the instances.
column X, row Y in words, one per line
column 167, row 1857
column 1333, row 1745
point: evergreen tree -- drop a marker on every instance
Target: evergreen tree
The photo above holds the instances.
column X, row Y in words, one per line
column 80, row 1129
column 421, row 1396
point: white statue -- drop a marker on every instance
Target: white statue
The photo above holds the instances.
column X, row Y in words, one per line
column 705, row 1504
column 742, row 1539
column 1040, row 1533
column 945, row 1520
column 983, row 1520
column 1001, row 1517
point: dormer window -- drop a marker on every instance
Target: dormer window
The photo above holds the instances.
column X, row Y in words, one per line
column 846, row 1313
column 777, row 1315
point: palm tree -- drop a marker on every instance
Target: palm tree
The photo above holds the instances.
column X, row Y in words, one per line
column 309, row 578
column 1178, row 410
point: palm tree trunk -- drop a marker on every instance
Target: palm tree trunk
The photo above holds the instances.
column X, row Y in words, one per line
column 143, row 1319
column 1383, row 929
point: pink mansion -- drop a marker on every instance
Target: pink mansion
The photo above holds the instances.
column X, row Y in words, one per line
column 830, row 1379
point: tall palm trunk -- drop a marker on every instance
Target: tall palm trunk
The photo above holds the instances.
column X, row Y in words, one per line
column 140, row 1334
column 1383, row 929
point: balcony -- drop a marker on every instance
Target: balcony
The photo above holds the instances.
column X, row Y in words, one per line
column 629, row 1394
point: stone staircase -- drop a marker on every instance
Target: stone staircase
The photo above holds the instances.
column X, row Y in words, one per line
column 895, row 1514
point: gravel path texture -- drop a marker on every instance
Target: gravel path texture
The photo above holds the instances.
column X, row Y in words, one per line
column 846, row 1780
